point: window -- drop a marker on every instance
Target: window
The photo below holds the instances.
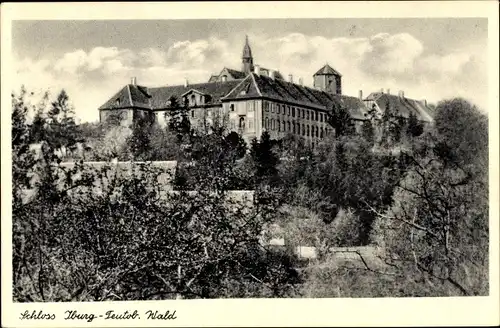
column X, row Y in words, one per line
column 250, row 106
column 283, row 128
column 192, row 113
column 273, row 124
column 303, row 113
column 321, row 117
column 266, row 106
column 250, row 125
column 288, row 110
column 293, row 111
column 308, row 131
column 279, row 126
column 288, row 126
column 303, row 130
column 117, row 102
column 193, row 100
column 317, row 132
column 307, row 115
column 266, row 124
column 293, row 127
column 242, row 123
column 315, row 116
column 321, row 133
column 232, row 107
column 272, row 107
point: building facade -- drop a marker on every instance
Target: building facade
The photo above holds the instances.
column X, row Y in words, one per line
column 250, row 101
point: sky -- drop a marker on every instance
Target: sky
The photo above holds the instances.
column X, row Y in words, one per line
column 427, row 58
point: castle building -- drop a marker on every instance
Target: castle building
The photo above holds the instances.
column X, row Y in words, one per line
column 250, row 101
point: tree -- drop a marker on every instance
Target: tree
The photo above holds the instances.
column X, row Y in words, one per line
column 265, row 159
column 392, row 126
column 236, row 143
column 414, row 128
column 463, row 129
column 368, row 132
column 61, row 126
column 140, row 140
column 341, row 121
column 437, row 228
column 178, row 118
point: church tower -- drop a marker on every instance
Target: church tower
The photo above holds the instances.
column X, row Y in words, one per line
column 247, row 58
column 329, row 80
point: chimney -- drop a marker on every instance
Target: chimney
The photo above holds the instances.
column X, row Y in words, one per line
column 257, row 69
column 186, row 83
column 290, row 78
column 382, row 90
column 361, row 95
column 388, row 91
column 271, row 74
column 301, row 81
column 134, row 81
column 424, row 101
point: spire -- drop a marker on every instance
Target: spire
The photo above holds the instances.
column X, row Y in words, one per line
column 247, row 59
column 247, row 52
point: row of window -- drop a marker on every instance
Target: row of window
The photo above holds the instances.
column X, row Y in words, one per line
column 295, row 112
column 296, row 128
column 250, row 106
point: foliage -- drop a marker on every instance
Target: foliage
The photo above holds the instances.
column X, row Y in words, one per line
column 414, row 128
column 463, row 128
column 265, row 159
column 368, row 132
column 103, row 233
column 139, row 142
column 392, row 125
column 341, row 121
column 178, row 118
column 83, row 233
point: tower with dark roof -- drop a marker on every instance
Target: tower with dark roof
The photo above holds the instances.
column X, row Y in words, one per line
column 328, row 79
column 247, row 58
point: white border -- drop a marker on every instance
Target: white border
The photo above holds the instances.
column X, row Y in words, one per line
column 251, row 312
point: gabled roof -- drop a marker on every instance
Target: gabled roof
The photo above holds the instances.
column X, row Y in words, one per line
column 133, row 96
column 129, row 96
column 234, row 73
column 263, row 86
column 327, row 70
column 402, row 105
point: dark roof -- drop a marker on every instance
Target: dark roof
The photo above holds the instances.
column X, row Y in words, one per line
column 129, row 96
column 403, row 106
column 157, row 98
column 255, row 86
column 236, row 74
column 327, row 70
column 277, row 74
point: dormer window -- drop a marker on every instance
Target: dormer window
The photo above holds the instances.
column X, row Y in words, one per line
column 224, row 78
column 243, row 92
column 117, row 102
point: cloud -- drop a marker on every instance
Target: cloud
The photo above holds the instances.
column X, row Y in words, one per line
column 395, row 61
